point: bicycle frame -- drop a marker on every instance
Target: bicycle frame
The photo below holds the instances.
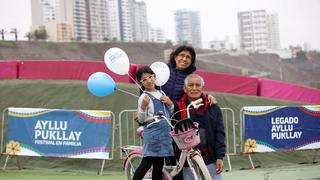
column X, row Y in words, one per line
column 135, row 150
column 184, row 156
column 170, row 171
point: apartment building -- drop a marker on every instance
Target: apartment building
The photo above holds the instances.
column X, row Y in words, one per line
column 94, row 20
column 258, row 31
column 187, row 27
column 50, row 13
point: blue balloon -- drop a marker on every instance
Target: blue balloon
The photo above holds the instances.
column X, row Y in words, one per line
column 101, row 84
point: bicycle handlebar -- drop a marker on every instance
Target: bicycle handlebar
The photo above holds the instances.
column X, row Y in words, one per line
column 195, row 104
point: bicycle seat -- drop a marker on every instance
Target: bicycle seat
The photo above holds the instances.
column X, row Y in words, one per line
column 183, row 125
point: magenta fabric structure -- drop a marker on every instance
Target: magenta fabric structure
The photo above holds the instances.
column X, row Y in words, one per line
column 227, row 83
column 8, row 69
column 287, row 91
column 66, row 70
column 216, row 82
column 135, row 67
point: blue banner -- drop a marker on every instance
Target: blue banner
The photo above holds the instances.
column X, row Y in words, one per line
column 59, row 133
column 275, row 128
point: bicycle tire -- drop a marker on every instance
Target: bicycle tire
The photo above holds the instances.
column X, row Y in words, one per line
column 131, row 165
column 200, row 168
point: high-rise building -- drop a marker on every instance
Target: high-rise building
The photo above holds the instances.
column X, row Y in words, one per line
column 273, row 30
column 188, row 29
column 140, row 23
column 79, row 20
column 127, row 20
column 258, row 31
column 96, row 19
column 42, row 11
column 114, row 20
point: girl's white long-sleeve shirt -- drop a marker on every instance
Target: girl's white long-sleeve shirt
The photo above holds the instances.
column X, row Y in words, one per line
column 149, row 111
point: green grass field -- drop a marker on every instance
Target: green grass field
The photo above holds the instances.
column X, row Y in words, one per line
column 55, row 175
column 294, row 172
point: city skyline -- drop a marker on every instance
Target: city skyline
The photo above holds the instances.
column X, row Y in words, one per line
column 297, row 19
column 222, row 16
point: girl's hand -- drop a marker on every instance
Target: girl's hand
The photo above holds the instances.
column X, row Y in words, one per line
column 166, row 100
column 211, row 99
column 145, row 102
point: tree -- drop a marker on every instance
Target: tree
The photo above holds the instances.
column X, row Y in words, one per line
column 41, row 34
column 28, row 35
column 2, row 34
column 169, row 43
column 106, row 39
column 38, row 34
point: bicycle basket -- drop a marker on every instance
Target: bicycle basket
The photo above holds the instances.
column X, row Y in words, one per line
column 185, row 134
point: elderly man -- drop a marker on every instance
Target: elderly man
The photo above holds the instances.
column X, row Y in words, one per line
column 209, row 117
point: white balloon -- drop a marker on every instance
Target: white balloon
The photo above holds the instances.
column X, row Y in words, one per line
column 117, row 61
column 162, row 72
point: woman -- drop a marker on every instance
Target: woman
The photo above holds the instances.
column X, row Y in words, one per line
column 181, row 64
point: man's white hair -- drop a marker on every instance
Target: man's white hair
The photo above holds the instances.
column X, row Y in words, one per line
column 186, row 80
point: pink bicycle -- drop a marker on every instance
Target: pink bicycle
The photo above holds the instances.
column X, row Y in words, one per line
column 186, row 135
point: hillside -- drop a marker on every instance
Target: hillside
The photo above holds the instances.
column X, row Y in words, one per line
column 303, row 70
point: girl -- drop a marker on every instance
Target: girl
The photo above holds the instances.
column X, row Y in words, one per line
column 157, row 143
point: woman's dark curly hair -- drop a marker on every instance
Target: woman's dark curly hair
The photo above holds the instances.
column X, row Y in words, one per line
column 175, row 53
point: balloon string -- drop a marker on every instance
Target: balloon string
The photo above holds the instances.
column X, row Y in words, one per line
column 127, row 92
column 135, row 82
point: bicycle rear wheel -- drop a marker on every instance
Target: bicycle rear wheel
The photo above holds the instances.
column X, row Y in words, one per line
column 131, row 165
column 200, row 168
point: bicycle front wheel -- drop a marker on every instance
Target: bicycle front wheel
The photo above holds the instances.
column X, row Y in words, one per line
column 200, row 169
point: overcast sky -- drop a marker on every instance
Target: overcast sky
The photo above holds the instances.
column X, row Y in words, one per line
column 298, row 19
